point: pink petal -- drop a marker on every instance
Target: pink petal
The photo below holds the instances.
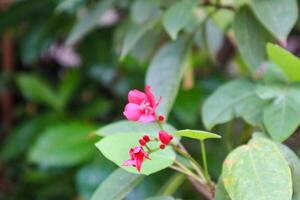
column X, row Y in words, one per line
column 136, row 96
column 132, row 112
column 128, row 163
column 150, row 95
column 146, row 118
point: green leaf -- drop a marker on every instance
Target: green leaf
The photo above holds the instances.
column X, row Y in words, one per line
column 63, row 145
column 130, row 127
column 294, row 164
column 37, row 90
column 289, row 63
column 24, row 134
column 277, row 16
column 221, row 193
column 251, row 38
column 135, row 32
column 21, row 10
column 282, row 117
column 234, row 99
column 68, row 86
column 89, row 21
column 165, row 73
column 143, row 10
column 117, row 185
column 195, row 134
column 89, row 176
column 177, row 16
column 258, row 171
column 161, row 198
column 116, row 147
column 273, row 74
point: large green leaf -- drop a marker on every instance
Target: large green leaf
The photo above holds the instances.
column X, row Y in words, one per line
column 116, row 147
column 117, row 185
column 136, row 31
column 165, row 72
column 282, row 117
column 63, row 145
column 130, row 127
column 143, row 10
column 277, row 16
column 234, row 99
column 89, row 21
column 289, row 63
column 294, row 164
column 37, row 90
column 177, row 16
column 221, row 193
column 258, row 171
column 251, row 38
column 195, row 134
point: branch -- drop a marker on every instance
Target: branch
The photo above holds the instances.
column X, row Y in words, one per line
column 217, row 5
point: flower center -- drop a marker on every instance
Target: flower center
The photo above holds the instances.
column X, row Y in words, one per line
column 146, row 107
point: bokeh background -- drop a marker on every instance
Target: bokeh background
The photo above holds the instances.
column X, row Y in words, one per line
column 54, row 94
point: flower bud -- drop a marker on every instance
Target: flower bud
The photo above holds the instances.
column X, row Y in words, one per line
column 146, row 138
column 142, row 142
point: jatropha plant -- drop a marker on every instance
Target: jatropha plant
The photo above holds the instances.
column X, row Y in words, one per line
column 141, row 107
column 156, row 150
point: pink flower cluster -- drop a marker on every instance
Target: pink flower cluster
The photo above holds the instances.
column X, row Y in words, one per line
column 141, row 107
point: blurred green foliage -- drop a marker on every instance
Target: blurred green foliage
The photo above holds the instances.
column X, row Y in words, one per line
column 75, row 61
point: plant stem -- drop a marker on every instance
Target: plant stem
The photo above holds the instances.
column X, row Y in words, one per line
column 203, row 151
column 195, row 164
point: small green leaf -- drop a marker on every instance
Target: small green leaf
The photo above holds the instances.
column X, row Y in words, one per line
column 116, row 147
column 234, row 99
column 282, row 117
column 273, row 74
column 130, row 127
column 277, row 16
column 68, row 86
column 160, row 198
column 177, row 16
column 251, row 38
column 63, row 145
column 289, row 63
column 117, row 185
column 257, row 171
column 135, row 32
column 165, row 73
column 89, row 21
column 37, row 90
column 195, row 134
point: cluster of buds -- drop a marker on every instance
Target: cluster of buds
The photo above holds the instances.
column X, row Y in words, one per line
column 141, row 107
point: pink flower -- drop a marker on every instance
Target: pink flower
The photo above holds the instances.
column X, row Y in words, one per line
column 141, row 106
column 164, row 137
column 137, row 156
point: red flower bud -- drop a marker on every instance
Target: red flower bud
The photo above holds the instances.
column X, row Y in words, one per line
column 165, row 137
column 162, row 146
column 146, row 138
column 142, row 142
column 161, row 118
